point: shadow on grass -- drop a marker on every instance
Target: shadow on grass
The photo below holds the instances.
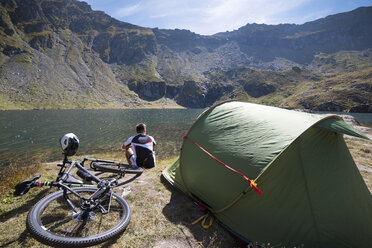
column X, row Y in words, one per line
column 130, row 179
column 182, row 211
column 24, row 207
column 20, row 240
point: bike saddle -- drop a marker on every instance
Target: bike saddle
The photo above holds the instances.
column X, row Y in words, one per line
column 23, row 187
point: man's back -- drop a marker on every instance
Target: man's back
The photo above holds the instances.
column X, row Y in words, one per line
column 143, row 149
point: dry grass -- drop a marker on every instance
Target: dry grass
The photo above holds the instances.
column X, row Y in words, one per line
column 361, row 150
column 161, row 216
column 16, row 172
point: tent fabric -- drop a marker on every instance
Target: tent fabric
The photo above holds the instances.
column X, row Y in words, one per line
column 313, row 193
column 339, row 126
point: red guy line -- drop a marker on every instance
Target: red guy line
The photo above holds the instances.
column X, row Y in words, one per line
column 228, row 167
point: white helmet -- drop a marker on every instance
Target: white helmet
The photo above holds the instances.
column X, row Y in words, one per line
column 69, row 143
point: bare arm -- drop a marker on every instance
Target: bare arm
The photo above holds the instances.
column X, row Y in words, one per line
column 126, row 147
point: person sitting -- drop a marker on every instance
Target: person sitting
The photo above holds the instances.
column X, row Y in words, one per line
column 139, row 149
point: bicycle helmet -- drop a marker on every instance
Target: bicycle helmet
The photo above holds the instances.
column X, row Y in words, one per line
column 69, row 143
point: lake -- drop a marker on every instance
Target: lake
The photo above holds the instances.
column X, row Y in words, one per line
column 26, row 134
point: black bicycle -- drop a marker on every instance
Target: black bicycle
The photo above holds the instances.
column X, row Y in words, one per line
column 83, row 212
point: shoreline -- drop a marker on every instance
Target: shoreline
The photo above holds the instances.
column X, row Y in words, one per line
column 103, row 108
column 162, row 103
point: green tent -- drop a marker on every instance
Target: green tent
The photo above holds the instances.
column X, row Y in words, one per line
column 312, row 191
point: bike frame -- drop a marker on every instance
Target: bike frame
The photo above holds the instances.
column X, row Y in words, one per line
column 102, row 186
column 64, row 182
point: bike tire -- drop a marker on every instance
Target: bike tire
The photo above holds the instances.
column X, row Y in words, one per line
column 110, row 168
column 52, row 216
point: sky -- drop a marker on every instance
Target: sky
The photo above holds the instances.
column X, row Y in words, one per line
column 212, row 16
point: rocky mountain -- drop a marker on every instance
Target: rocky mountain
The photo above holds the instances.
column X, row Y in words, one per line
column 62, row 54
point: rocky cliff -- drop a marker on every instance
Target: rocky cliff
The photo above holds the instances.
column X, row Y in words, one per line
column 62, row 54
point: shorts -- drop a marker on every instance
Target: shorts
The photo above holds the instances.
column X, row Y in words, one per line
column 148, row 162
column 133, row 161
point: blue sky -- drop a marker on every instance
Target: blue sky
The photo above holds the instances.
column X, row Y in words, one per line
column 213, row 16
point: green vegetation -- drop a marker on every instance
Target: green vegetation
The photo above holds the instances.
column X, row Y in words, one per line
column 174, row 76
column 345, row 90
column 73, row 56
column 141, row 72
column 65, row 35
column 343, row 62
column 6, row 103
column 45, row 33
column 296, row 88
column 265, row 87
column 24, row 58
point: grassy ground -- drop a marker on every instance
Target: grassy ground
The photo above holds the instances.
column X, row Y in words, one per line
column 361, row 151
column 161, row 216
column 7, row 104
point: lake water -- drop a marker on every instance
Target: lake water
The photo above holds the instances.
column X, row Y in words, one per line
column 24, row 134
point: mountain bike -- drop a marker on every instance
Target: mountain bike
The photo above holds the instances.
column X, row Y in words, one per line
column 82, row 212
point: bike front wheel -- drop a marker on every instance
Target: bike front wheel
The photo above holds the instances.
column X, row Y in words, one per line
column 54, row 222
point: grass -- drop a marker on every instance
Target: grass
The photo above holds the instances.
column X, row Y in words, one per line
column 343, row 61
column 6, row 104
column 361, row 151
column 65, row 35
column 161, row 215
column 284, row 84
column 25, row 58
column 338, row 89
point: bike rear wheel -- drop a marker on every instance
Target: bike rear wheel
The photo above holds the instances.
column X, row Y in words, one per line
column 53, row 222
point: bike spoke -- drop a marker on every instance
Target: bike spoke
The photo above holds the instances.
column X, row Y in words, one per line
column 70, row 231
column 80, row 228
column 99, row 224
column 60, row 222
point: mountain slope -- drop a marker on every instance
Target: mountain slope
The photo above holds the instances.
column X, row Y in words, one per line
column 62, row 54
column 299, row 43
column 48, row 60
